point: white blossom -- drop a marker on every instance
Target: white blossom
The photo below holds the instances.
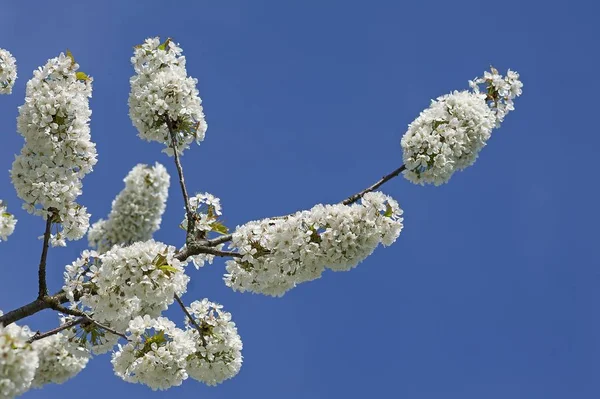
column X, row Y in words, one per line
column 136, row 211
column 8, row 71
column 217, row 353
column 140, row 279
column 58, row 153
column 279, row 253
column 18, row 360
column 447, row 136
column 161, row 89
column 7, row 222
column 500, row 91
column 155, row 355
column 59, row 360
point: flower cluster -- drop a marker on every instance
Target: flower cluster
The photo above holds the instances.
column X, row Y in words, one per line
column 59, row 360
column 500, row 91
column 7, row 222
column 217, row 355
column 58, row 153
column 282, row 252
column 162, row 94
column 18, row 360
column 447, row 136
column 140, row 279
column 8, row 71
column 136, row 211
column 155, row 355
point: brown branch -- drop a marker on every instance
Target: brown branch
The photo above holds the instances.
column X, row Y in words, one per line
column 42, row 286
column 191, row 318
column 58, row 329
column 195, row 249
column 186, row 198
column 353, row 198
column 88, row 318
column 34, row 307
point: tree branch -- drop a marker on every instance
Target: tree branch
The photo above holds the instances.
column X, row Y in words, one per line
column 353, row 198
column 89, row 319
column 58, row 329
column 34, row 307
column 189, row 316
column 194, row 249
column 186, row 198
column 42, row 287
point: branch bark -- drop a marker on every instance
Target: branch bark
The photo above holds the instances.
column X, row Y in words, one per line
column 56, row 330
column 42, row 287
column 353, row 198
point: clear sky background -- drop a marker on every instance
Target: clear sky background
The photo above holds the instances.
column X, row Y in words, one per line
column 492, row 289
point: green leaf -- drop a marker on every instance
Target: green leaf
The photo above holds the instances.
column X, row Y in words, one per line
column 70, row 55
column 388, row 211
column 168, row 269
column 219, row 227
column 82, row 76
column 165, row 44
column 6, row 214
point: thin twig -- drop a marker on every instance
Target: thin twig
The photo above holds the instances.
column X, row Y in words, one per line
column 42, row 286
column 219, row 240
column 191, row 318
column 79, row 313
column 186, row 198
column 353, row 198
column 58, row 329
column 201, row 249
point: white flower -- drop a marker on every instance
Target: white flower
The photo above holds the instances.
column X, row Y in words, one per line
column 161, row 89
column 58, row 153
column 136, row 211
column 59, row 360
column 217, row 354
column 7, row 222
column 140, row 279
column 282, row 252
column 8, row 71
column 18, row 360
column 446, row 137
column 155, row 355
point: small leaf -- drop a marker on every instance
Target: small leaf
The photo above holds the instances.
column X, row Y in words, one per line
column 168, row 269
column 82, row 76
column 165, row 44
column 219, row 227
column 388, row 211
column 70, row 55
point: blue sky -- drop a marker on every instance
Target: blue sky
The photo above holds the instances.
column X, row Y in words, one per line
column 492, row 289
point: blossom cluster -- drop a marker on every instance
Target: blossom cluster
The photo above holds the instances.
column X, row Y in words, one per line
column 500, row 91
column 161, row 355
column 8, row 71
column 162, row 95
column 60, row 359
column 217, row 354
column 136, row 211
column 279, row 253
column 447, row 136
column 58, row 153
column 155, row 355
column 140, row 279
column 7, row 222
column 18, row 360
